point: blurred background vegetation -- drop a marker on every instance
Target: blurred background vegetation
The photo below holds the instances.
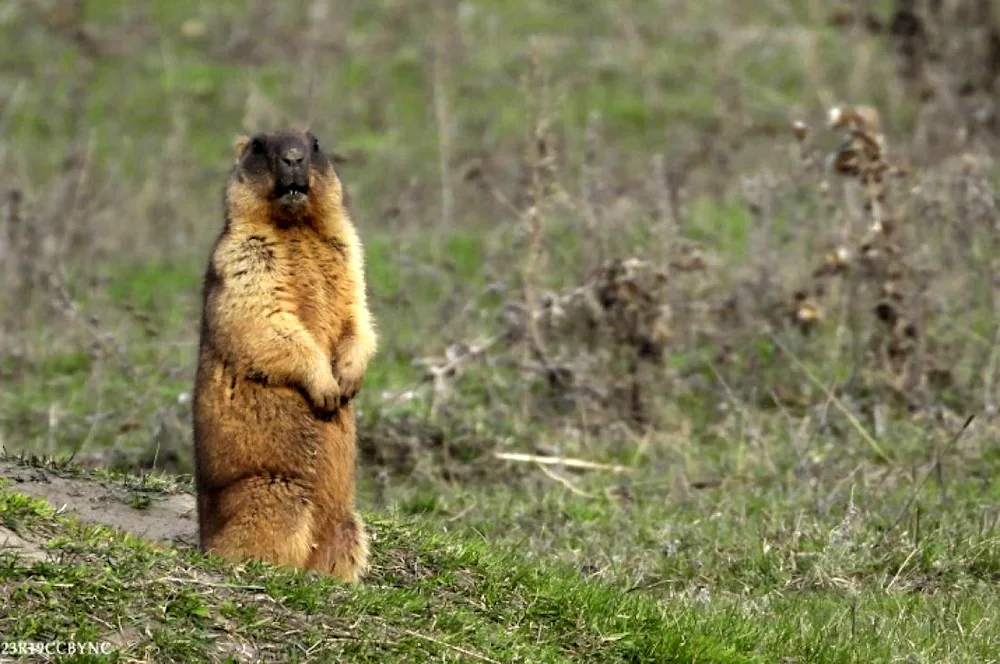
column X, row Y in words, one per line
column 593, row 231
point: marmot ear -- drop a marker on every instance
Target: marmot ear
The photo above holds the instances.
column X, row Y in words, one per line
column 239, row 146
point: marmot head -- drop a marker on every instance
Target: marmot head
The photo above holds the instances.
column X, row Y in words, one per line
column 284, row 175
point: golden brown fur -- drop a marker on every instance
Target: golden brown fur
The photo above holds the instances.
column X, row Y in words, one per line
column 286, row 337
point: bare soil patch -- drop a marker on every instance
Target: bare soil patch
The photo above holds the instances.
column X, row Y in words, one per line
column 153, row 515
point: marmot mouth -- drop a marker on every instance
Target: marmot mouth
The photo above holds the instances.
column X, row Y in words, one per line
column 292, row 193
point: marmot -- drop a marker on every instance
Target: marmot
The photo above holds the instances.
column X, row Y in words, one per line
column 286, row 336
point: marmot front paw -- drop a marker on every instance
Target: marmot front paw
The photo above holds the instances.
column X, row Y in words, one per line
column 349, row 386
column 324, row 393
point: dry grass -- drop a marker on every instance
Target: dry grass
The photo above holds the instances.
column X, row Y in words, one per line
column 747, row 253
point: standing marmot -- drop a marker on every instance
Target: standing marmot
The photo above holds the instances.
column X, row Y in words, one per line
column 286, row 337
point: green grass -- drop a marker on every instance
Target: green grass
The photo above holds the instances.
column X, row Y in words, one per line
column 756, row 523
column 433, row 595
column 374, row 108
column 775, row 587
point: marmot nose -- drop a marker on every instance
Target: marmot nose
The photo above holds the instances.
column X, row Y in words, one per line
column 293, row 157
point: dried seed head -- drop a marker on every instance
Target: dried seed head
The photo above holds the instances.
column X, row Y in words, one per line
column 838, row 259
column 891, row 290
column 845, row 162
column 870, row 116
column 871, row 143
column 869, row 251
column 835, row 117
column 801, row 130
column 886, row 313
column 807, row 316
column 808, row 313
column 863, row 118
column 660, row 333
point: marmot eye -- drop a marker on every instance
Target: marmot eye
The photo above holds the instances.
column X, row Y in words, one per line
column 257, row 146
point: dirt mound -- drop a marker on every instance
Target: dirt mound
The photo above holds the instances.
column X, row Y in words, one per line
column 148, row 512
column 24, row 548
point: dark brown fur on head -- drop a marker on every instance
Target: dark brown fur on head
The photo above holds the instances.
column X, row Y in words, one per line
column 283, row 176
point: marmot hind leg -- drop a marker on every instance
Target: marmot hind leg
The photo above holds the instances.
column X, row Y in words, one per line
column 341, row 549
column 261, row 518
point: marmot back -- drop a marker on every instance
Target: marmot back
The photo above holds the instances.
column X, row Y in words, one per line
column 286, row 337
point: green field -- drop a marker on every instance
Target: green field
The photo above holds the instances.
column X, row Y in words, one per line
column 594, row 225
